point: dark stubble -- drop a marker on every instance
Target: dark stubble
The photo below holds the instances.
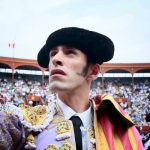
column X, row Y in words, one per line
column 84, row 71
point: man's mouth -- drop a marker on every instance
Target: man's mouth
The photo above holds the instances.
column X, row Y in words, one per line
column 57, row 72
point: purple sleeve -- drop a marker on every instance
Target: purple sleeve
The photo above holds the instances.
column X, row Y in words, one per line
column 10, row 131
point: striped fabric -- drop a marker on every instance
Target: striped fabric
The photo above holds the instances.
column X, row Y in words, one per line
column 114, row 129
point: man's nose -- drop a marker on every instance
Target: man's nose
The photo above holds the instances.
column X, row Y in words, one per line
column 58, row 59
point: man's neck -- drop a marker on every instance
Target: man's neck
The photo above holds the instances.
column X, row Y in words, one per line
column 79, row 101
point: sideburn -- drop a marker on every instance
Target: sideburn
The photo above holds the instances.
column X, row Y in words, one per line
column 85, row 70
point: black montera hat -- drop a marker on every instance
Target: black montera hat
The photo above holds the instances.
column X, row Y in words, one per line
column 98, row 48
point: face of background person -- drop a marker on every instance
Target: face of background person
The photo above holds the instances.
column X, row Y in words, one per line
column 68, row 69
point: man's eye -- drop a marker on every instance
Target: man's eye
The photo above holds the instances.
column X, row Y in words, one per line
column 71, row 52
column 52, row 53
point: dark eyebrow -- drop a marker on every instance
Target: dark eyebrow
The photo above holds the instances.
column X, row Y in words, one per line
column 53, row 48
column 70, row 47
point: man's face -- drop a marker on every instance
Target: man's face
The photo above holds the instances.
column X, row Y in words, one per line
column 67, row 68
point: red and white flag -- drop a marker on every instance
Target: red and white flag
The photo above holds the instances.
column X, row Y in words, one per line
column 11, row 45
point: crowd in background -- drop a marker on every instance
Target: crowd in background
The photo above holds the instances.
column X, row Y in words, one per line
column 137, row 104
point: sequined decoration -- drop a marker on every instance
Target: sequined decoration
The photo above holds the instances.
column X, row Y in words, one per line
column 63, row 127
column 51, row 147
column 35, row 115
column 66, row 146
column 92, row 138
column 91, row 133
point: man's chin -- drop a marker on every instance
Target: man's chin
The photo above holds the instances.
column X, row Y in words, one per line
column 56, row 89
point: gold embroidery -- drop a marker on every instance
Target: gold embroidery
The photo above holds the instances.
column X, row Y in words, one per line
column 67, row 140
column 57, row 120
column 63, row 127
column 51, row 147
column 93, row 147
column 63, row 130
column 92, row 138
column 35, row 115
column 66, row 146
column 30, row 138
column 91, row 133
column 30, row 142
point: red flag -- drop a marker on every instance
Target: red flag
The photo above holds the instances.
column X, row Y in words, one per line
column 11, row 45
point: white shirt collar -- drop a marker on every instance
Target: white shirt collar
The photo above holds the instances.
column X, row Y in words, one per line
column 68, row 112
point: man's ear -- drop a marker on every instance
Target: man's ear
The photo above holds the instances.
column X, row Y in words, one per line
column 94, row 70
